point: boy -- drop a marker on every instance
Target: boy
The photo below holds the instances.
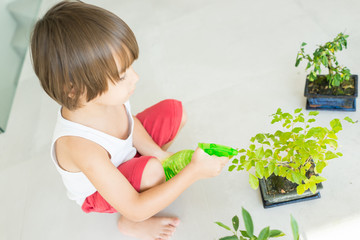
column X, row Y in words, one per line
column 82, row 55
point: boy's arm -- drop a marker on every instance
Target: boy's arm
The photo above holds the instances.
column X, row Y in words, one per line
column 144, row 143
column 93, row 161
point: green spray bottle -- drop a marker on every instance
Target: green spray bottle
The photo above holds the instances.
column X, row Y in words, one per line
column 176, row 162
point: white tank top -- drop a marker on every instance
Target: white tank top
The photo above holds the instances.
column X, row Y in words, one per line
column 77, row 184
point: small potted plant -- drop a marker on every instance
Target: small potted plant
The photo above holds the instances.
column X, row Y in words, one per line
column 288, row 163
column 248, row 232
column 338, row 89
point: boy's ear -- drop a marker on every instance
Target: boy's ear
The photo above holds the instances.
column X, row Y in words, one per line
column 71, row 94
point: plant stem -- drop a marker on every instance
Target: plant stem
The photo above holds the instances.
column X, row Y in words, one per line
column 307, row 161
column 330, row 66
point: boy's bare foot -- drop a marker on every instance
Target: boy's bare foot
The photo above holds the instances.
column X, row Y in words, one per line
column 154, row 228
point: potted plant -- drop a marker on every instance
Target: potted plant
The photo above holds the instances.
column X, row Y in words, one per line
column 288, row 163
column 338, row 89
column 248, row 233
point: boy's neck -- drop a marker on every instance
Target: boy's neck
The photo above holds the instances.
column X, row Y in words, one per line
column 90, row 111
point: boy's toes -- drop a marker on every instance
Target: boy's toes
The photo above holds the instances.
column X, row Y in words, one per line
column 165, row 236
column 169, row 231
column 171, row 221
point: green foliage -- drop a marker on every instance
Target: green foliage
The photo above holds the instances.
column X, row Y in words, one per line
column 248, row 233
column 292, row 151
column 324, row 55
column 295, row 228
column 249, row 226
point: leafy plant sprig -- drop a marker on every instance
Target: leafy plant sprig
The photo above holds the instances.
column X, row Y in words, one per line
column 248, row 233
column 292, row 152
column 325, row 55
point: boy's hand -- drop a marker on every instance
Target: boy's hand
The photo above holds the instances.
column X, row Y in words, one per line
column 207, row 166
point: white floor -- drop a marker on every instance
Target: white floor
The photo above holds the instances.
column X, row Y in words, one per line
column 232, row 64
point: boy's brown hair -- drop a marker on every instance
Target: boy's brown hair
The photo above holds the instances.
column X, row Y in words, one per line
column 73, row 48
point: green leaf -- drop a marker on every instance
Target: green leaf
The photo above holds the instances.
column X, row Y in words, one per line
column 235, row 222
column 235, row 161
column 242, row 150
column 264, row 234
column 325, row 61
column 276, row 233
column 313, row 113
column 295, row 228
column 298, row 110
column 337, row 80
column 260, row 169
column 300, row 189
column 252, row 147
column 318, row 179
column 240, row 167
column 311, row 120
column 271, row 167
column 297, row 130
column 285, row 137
column 260, row 153
column 320, row 166
column 315, row 131
column 278, row 133
column 231, row 168
column 248, row 222
column 268, row 153
column 336, row 125
column 312, row 188
column 247, row 165
column 244, row 233
column 297, row 177
column 276, row 170
column 223, row 225
column 332, row 135
column 282, row 171
column 229, row 238
column 332, row 143
column 276, row 119
column 303, row 44
column 266, row 172
column 339, row 154
column 254, row 181
column 330, row 155
column 260, row 137
column 349, row 120
column 287, row 116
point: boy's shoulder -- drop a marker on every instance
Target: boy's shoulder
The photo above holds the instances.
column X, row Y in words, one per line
column 75, row 153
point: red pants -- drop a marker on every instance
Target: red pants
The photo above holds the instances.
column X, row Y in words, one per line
column 162, row 122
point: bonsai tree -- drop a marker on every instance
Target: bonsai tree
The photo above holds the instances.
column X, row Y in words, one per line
column 248, row 233
column 325, row 55
column 298, row 153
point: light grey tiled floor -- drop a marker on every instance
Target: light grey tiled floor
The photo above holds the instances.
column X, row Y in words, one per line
column 232, row 64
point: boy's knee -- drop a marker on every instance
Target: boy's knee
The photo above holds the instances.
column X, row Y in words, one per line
column 183, row 118
column 153, row 174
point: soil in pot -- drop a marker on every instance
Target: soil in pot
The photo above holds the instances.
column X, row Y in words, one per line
column 277, row 191
column 321, row 97
column 321, row 86
column 279, row 185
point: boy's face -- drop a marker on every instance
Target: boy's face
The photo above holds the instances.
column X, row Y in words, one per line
column 119, row 92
